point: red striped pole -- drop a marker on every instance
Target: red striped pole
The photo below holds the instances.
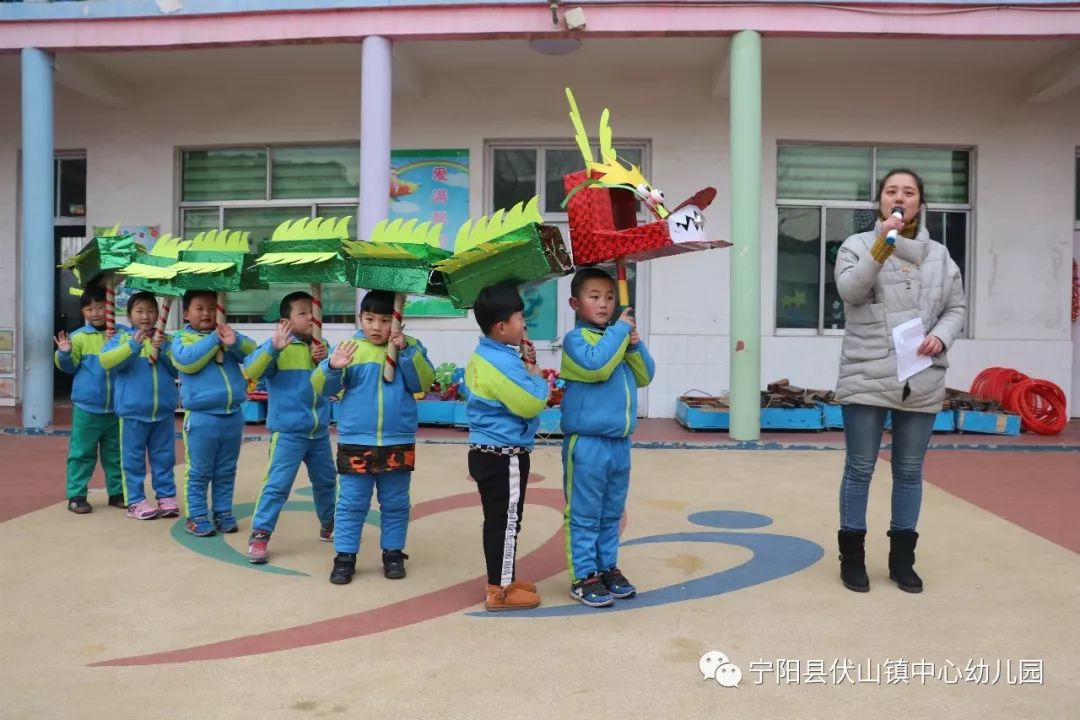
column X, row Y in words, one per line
column 110, row 307
column 159, row 327
column 220, row 357
column 396, row 326
column 316, row 311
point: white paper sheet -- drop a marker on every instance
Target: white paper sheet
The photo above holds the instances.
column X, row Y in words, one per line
column 907, row 338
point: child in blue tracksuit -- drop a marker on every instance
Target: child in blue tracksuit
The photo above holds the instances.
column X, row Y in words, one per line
column 505, row 399
column 94, row 428
column 146, row 404
column 376, row 433
column 603, row 367
column 298, row 420
column 212, row 389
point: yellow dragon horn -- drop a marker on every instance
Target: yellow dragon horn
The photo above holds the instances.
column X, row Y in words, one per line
column 580, row 135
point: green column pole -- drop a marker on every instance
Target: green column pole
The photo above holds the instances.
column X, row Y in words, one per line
column 746, row 236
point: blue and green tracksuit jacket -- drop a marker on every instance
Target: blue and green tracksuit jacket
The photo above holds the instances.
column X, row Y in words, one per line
column 143, row 391
column 602, row 373
column 92, row 389
column 374, row 412
column 209, row 386
column 295, row 407
column 599, row 412
column 504, row 400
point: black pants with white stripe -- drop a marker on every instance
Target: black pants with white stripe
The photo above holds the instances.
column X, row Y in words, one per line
column 501, row 481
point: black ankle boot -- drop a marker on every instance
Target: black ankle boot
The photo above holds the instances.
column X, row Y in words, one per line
column 853, row 560
column 393, row 562
column 902, row 560
column 344, row 567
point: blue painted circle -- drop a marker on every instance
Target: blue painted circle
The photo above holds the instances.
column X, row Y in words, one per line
column 729, row 519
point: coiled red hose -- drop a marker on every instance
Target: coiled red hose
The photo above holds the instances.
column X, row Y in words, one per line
column 1039, row 403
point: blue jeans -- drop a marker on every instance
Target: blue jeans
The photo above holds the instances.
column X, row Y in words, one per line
column 863, row 427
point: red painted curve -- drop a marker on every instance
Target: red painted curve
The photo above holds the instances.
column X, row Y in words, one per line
column 547, row 560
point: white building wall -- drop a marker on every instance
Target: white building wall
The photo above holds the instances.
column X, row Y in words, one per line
column 1023, row 231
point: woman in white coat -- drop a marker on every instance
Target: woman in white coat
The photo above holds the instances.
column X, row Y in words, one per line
column 885, row 279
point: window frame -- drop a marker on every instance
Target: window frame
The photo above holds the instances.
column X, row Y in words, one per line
column 824, row 205
column 310, row 204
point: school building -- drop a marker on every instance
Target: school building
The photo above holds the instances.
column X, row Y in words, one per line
column 176, row 116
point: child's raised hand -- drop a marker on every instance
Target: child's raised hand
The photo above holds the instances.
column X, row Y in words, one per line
column 398, row 340
column 634, row 337
column 628, row 317
column 343, row 354
column 282, row 332
column 158, row 341
column 226, row 334
column 110, row 332
column 534, row 369
column 318, row 351
column 63, row 342
column 138, row 337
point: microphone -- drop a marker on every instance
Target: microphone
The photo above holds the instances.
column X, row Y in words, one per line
column 898, row 213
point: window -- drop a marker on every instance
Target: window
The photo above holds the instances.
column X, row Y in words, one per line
column 69, row 188
column 825, row 193
column 255, row 189
column 521, row 171
column 1076, row 187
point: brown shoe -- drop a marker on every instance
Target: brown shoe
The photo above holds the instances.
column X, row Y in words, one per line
column 526, row 586
column 509, row 598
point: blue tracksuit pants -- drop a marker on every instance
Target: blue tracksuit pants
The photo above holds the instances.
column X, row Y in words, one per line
column 354, row 501
column 212, row 445
column 140, row 440
column 596, row 479
column 287, row 451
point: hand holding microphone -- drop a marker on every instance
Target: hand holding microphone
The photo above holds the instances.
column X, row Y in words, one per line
column 884, row 246
column 894, row 223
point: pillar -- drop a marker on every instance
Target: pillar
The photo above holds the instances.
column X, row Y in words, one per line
column 38, row 281
column 746, row 236
column 375, row 102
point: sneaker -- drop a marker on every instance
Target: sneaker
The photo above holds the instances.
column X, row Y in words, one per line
column 393, row 562
column 592, row 592
column 200, row 526
column 257, row 553
column 79, row 506
column 117, row 501
column 344, row 567
column 142, row 510
column 167, row 507
column 510, row 597
column 326, row 532
column 225, row 522
column 617, row 584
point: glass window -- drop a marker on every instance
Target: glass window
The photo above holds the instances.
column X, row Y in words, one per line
column 227, row 174
column 315, row 172
column 798, row 267
column 1077, row 186
column 823, row 172
column 197, row 220
column 514, row 176
column 944, row 172
column 557, row 163
column 71, row 186
column 825, row 194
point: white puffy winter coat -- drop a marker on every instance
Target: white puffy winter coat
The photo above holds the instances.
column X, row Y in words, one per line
column 918, row 280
